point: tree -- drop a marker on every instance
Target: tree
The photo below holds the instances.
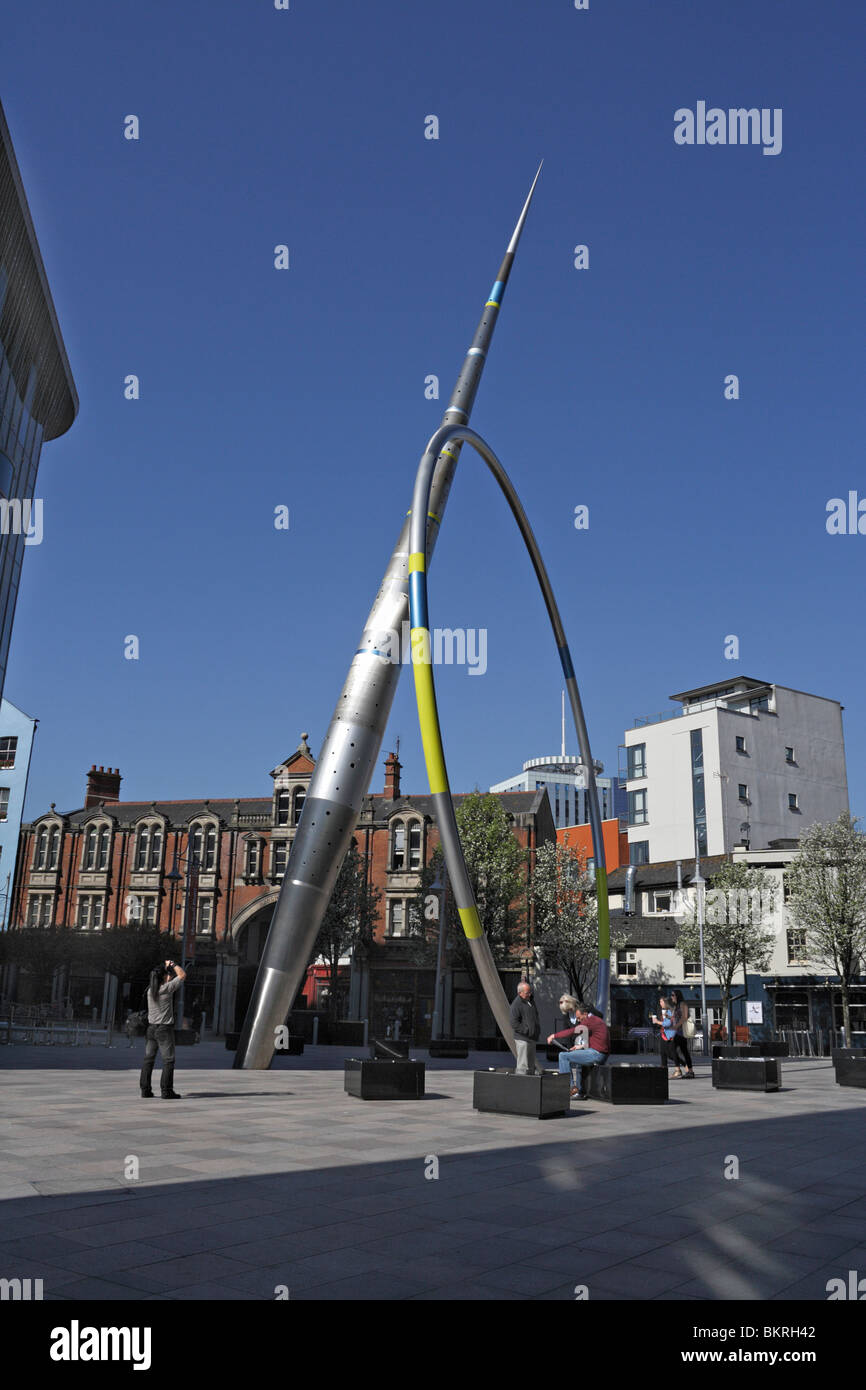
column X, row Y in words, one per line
column 40, row 951
column 739, row 902
column 130, row 952
column 350, row 918
column 827, row 899
column 566, row 915
column 496, row 865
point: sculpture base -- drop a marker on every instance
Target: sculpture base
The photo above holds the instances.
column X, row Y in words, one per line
column 382, row 1080
column 510, row 1093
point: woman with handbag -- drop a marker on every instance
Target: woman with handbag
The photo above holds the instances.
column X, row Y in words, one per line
column 685, row 1030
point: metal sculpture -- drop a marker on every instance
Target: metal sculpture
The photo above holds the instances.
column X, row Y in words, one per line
column 431, row 733
column 351, row 747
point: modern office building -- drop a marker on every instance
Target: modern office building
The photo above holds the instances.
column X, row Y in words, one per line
column 742, row 762
column 16, row 744
column 564, row 777
column 38, row 400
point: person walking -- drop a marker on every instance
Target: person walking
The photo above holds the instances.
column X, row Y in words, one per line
column 668, row 1032
column 681, row 1023
column 165, row 981
column 527, row 1029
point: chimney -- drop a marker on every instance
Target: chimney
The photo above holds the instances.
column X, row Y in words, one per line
column 103, row 784
column 392, row 777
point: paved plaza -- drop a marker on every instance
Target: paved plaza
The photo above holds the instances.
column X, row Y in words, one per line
column 258, row 1182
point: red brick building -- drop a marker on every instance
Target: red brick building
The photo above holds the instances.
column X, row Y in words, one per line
column 115, row 862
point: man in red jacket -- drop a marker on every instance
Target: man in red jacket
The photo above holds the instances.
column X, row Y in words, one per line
column 597, row 1049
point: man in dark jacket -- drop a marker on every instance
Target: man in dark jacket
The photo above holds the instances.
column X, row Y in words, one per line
column 527, row 1029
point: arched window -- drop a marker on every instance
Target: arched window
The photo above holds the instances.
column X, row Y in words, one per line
column 209, row 848
column 283, row 800
column 40, row 857
column 398, row 846
column 104, row 846
column 91, row 847
column 196, row 842
column 155, row 856
column 54, row 848
column 299, row 799
column 142, row 848
column 415, row 845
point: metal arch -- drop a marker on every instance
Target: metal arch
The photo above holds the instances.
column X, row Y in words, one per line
column 431, row 734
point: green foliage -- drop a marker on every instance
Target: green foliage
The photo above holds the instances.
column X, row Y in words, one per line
column 827, row 899
column 350, row 919
column 496, row 865
column 566, row 915
column 739, row 902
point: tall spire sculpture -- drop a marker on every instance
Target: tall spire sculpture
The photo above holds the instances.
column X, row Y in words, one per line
column 348, row 756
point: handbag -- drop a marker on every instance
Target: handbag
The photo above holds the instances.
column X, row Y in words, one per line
column 689, row 1028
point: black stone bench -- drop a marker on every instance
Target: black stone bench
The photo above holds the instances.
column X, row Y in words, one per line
column 384, row 1080
column 449, row 1047
column 739, row 1050
column 386, row 1050
column 507, row 1092
column 747, row 1074
column 627, row 1083
column 849, row 1064
column 293, row 1048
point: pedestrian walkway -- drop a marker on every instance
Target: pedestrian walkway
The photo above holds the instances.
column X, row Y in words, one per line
column 271, row 1184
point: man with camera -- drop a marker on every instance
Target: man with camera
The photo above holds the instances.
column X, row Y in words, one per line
column 165, row 981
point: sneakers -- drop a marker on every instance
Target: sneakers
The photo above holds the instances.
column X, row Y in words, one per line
column 171, row 1095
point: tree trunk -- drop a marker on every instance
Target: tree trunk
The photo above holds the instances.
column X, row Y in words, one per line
column 846, row 1012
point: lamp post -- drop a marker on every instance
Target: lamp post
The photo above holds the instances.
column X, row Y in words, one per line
column 439, row 886
column 699, row 896
column 190, row 906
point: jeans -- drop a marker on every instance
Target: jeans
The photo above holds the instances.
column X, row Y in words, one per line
column 159, row 1035
column 525, row 1057
column 583, row 1057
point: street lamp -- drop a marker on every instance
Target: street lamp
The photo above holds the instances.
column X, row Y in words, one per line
column 190, row 908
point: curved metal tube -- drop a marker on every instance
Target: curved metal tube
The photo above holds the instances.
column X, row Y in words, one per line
column 431, row 734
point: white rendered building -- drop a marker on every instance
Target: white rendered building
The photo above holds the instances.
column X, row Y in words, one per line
column 744, row 762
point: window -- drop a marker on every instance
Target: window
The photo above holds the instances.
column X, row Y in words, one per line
column 398, row 920
column 792, row 802
column 53, row 847
column 741, row 743
column 638, row 852
column 254, row 858
column 691, row 968
column 300, row 798
column 142, row 909
column 714, row 1011
column 155, row 847
column 283, row 804
column 762, row 704
column 626, row 963
column 637, row 811
column 4, row 803
column 789, row 755
column 415, row 845
column 699, row 803
column 661, row 902
column 743, row 791
column 398, row 847
column 797, row 946
column 205, row 916
column 196, row 842
column 104, row 847
column 280, row 852
column 39, row 910
column 636, row 760
column 91, row 848
column 90, row 910
column 142, row 848
column 40, row 854
column 8, row 749
column 209, row 861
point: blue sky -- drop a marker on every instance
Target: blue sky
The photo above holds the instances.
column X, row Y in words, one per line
column 305, row 387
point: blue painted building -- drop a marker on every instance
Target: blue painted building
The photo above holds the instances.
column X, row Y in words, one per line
column 16, row 745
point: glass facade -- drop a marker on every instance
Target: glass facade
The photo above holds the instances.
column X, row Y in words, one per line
column 20, row 444
column 699, row 800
